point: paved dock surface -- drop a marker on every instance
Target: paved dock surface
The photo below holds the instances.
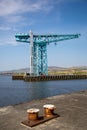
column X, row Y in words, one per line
column 72, row 109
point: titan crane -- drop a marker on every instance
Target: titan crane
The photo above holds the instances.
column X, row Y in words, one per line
column 38, row 49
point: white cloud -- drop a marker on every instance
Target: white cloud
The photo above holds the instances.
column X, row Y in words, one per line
column 9, row 7
column 12, row 10
column 13, row 18
column 8, row 42
column 3, row 28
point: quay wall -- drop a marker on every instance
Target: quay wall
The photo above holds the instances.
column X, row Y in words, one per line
column 48, row 78
column 17, row 77
column 58, row 77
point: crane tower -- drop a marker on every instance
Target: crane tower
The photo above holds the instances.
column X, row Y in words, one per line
column 38, row 49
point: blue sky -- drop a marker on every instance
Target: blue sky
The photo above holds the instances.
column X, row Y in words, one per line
column 43, row 17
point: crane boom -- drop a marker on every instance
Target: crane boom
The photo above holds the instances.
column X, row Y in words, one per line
column 45, row 38
column 38, row 49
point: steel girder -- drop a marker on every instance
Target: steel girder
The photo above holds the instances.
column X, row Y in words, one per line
column 38, row 48
column 39, row 59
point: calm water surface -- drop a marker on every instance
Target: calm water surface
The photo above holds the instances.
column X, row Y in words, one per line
column 17, row 91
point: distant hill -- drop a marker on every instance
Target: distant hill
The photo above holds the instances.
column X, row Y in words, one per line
column 50, row 68
column 23, row 70
column 16, row 71
column 80, row 67
column 55, row 68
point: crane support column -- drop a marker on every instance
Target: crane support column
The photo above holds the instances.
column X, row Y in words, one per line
column 38, row 49
column 31, row 53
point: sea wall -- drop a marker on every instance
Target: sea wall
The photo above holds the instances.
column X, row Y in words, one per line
column 17, row 77
column 48, row 78
column 58, row 77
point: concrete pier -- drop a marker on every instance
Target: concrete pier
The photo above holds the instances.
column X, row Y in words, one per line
column 72, row 110
column 17, row 77
column 48, row 78
column 56, row 77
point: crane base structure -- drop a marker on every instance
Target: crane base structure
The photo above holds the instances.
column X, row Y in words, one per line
column 38, row 49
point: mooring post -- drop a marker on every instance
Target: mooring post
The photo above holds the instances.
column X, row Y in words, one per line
column 48, row 110
column 33, row 114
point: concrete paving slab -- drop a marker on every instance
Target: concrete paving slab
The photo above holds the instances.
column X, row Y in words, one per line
column 72, row 109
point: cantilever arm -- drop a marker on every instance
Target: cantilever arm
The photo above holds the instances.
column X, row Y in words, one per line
column 45, row 38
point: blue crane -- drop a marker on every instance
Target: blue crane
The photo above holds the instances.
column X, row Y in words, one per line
column 38, row 49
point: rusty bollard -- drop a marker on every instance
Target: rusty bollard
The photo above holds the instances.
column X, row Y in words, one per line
column 33, row 114
column 49, row 110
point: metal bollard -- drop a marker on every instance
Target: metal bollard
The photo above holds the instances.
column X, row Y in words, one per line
column 49, row 110
column 33, row 114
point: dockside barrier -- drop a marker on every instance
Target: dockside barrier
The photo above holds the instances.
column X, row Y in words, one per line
column 17, row 77
column 57, row 77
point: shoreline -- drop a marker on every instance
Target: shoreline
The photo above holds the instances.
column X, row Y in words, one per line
column 72, row 109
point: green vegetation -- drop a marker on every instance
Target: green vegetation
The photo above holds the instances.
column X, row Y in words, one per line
column 19, row 74
column 68, row 72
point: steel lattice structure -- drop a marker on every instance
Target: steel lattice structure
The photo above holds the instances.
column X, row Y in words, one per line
column 38, row 49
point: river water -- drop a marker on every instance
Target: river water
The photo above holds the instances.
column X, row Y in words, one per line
column 17, row 91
